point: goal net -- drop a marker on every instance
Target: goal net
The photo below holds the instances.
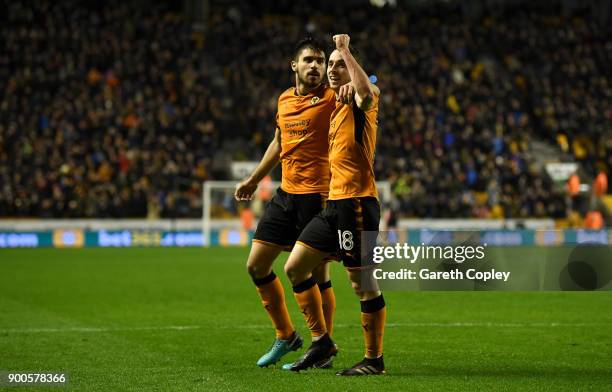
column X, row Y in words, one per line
column 222, row 213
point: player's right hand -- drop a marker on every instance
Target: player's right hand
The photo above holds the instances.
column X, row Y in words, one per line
column 245, row 190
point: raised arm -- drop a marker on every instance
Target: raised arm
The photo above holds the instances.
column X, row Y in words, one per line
column 364, row 90
column 246, row 189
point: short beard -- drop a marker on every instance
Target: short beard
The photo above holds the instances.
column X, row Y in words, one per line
column 308, row 84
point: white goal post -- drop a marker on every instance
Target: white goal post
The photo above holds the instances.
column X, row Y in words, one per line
column 218, row 199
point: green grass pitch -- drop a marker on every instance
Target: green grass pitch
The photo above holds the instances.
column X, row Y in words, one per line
column 189, row 320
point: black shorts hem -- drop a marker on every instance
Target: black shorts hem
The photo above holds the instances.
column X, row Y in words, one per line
column 286, row 248
column 312, row 247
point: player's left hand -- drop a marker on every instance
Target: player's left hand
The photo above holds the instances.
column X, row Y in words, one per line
column 346, row 93
column 341, row 41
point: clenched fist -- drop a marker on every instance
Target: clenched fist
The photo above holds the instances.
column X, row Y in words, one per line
column 341, row 41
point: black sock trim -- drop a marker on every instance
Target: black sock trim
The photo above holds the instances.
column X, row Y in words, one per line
column 373, row 305
column 305, row 285
column 324, row 286
column 264, row 280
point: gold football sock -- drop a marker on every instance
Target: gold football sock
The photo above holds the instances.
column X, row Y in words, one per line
column 373, row 316
column 328, row 299
column 272, row 295
column 309, row 301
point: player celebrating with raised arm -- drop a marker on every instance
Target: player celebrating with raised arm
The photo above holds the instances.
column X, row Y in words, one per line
column 352, row 208
column 300, row 143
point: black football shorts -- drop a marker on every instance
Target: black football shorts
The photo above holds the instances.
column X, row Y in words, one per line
column 285, row 217
column 339, row 227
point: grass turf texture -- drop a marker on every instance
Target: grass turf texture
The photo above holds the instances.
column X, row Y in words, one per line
column 190, row 320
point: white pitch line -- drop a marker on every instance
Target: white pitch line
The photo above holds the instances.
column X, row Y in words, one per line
column 456, row 325
column 266, row 326
column 100, row 329
column 496, row 325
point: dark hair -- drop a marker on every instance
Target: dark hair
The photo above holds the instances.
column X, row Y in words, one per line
column 309, row 43
column 357, row 55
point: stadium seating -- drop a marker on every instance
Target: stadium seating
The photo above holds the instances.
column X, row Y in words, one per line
column 114, row 110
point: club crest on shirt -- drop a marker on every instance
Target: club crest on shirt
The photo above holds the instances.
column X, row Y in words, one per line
column 314, row 100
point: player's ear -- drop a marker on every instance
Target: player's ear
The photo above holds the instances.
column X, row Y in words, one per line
column 293, row 66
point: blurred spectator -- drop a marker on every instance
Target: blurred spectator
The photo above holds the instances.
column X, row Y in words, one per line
column 573, row 185
column 600, row 185
column 121, row 109
column 594, row 220
column 247, row 218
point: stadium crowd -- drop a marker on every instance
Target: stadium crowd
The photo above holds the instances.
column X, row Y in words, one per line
column 121, row 110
